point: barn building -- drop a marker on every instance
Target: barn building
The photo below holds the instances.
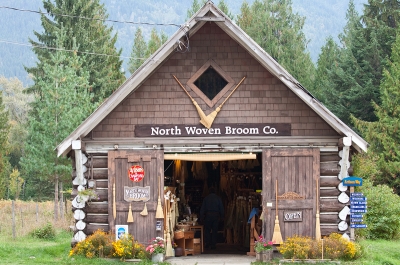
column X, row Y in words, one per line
column 210, row 108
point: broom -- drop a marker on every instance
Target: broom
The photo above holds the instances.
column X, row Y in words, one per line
column 207, row 121
column 317, row 222
column 277, row 236
column 144, row 212
column 168, row 251
column 199, row 110
column 159, row 211
column 114, row 204
column 130, row 215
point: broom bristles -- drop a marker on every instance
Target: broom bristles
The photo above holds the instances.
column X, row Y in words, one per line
column 144, row 212
column 277, row 236
column 130, row 215
column 159, row 211
column 317, row 228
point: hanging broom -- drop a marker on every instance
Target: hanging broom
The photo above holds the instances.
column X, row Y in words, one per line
column 130, row 215
column 144, row 212
column 317, row 222
column 159, row 211
column 277, row 236
column 114, row 204
column 168, row 251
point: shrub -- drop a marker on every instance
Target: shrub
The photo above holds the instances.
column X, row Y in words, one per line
column 335, row 247
column 99, row 244
column 383, row 215
column 47, row 232
column 127, row 248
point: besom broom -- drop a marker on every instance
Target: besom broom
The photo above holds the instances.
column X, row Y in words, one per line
column 277, row 236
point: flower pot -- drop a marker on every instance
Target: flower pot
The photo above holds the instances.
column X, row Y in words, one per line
column 159, row 257
column 265, row 255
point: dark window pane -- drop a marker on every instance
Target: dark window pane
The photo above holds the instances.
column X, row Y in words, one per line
column 210, row 83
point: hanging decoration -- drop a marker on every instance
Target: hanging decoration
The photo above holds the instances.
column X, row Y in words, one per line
column 136, row 173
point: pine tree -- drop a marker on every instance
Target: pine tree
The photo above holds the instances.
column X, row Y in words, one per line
column 141, row 51
column 194, row 8
column 273, row 25
column 224, row 8
column 138, row 54
column 83, row 21
column 384, row 134
column 326, row 61
column 64, row 102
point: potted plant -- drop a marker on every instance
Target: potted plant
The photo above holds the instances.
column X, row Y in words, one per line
column 88, row 195
column 156, row 249
column 263, row 249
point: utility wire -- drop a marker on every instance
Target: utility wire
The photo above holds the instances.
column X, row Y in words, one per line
column 60, row 49
column 89, row 18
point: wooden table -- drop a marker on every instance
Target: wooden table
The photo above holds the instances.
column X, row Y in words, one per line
column 199, row 228
column 186, row 243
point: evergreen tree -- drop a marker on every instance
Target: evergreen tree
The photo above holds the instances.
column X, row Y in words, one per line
column 224, row 8
column 356, row 75
column 383, row 134
column 64, row 102
column 83, row 21
column 326, row 62
column 195, row 7
column 273, row 25
column 138, row 54
column 141, row 51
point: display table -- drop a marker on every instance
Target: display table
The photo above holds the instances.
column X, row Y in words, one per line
column 186, row 243
column 199, row 228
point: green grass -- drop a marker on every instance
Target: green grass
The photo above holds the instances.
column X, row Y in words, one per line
column 27, row 250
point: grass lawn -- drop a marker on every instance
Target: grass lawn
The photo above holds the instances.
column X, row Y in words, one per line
column 27, row 250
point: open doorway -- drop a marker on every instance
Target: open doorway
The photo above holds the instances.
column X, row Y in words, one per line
column 237, row 182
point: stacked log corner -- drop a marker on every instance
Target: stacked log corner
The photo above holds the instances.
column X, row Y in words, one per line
column 330, row 179
column 92, row 215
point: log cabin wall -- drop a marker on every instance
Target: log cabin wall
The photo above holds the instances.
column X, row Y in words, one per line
column 262, row 98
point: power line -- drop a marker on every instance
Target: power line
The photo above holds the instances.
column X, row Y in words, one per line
column 66, row 50
column 89, row 18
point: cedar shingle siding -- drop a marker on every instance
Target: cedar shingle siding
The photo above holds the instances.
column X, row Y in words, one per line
column 262, row 98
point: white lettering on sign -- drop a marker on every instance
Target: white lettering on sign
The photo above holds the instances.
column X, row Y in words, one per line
column 245, row 130
column 200, row 131
column 171, row 131
column 269, row 130
column 136, row 193
column 293, row 216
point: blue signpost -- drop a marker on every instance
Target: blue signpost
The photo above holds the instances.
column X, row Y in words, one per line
column 358, row 203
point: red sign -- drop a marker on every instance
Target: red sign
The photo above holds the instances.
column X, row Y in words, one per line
column 136, row 173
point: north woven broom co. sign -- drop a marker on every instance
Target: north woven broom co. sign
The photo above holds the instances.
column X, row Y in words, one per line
column 245, row 129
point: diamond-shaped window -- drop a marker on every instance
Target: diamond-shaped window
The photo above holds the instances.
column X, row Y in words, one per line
column 210, row 83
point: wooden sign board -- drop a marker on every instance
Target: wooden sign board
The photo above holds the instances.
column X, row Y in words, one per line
column 137, row 193
column 293, row 216
column 233, row 130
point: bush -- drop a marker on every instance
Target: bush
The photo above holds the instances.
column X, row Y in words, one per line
column 335, row 247
column 127, row 248
column 47, row 232
column 99, row 244
column 383, row 215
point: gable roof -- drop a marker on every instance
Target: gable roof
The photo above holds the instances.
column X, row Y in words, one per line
column 209, row 12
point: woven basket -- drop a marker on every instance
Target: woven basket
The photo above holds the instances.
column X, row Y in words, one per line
column 179, row 234
column 183, row 227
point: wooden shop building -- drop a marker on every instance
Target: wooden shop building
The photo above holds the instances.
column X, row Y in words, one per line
column 211, row 108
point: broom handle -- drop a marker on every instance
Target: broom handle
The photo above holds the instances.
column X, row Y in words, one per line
column 241, row 81
column 183, row 87
column 317, row 196
column 276, row 196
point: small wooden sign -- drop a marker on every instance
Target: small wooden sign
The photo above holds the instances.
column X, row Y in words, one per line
column 136, row 193
column 293, row 216
column 352, row 181
column 136, row 173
